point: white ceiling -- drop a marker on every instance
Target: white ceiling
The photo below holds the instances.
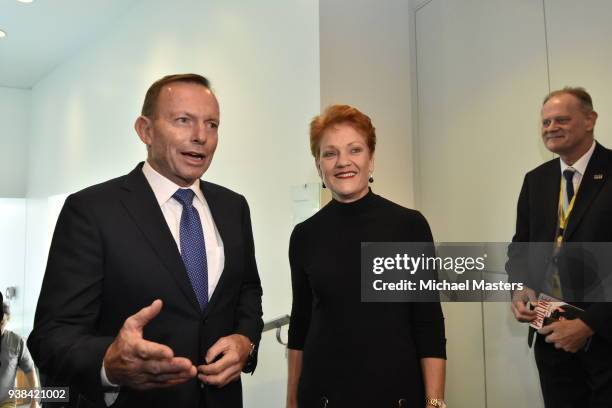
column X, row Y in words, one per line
column 40, row 35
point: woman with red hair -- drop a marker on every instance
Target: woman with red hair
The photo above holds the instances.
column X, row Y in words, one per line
column 342, row 352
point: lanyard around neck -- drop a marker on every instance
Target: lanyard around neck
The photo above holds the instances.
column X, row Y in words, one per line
column 564, row 215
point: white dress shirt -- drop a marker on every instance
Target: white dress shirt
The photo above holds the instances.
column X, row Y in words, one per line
column 172, row 210
column 579, row 167
column 163, row 188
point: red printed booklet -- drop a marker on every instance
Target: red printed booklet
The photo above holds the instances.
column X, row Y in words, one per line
column 550, row 309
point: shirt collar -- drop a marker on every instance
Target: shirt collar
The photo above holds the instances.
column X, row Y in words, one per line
column 164, row 188
column 581, row 164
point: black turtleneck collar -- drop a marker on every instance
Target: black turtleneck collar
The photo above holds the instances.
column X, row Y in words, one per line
column 364, row 203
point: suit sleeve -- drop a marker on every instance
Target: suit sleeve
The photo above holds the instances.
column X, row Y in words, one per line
column 427, row 319
column 249, row 310
column 517, row 264
column 598, row 317
column 64, row 342
column 302, row 294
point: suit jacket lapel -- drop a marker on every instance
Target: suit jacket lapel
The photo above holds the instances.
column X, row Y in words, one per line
column 141, row 204
column 549, row 189
column 221, row 218
column 591, row 184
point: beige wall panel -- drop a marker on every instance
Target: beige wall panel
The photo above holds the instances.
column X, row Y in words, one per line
column 481, row 68
column 365, row 62
column 579, row 38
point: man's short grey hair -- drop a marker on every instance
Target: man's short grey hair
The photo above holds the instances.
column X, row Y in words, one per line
column 586, row 102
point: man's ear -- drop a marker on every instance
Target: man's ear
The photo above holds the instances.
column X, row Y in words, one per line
column 592, row 118
column 143, row 128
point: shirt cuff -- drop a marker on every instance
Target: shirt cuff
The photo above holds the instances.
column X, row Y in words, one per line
column 110, row 396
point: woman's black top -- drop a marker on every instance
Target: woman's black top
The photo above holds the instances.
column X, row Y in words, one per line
column 357, row 354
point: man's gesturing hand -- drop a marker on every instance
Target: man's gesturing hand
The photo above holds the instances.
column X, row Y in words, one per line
column 134, row 362
column 235, row 351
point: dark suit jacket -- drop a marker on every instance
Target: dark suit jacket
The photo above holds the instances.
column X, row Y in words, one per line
column 112, row 254
column 590, row 221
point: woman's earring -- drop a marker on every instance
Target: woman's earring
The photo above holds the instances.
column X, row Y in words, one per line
column 323, row 185
column 371, row 179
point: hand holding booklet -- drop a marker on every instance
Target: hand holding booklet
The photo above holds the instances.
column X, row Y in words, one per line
column 550, row 310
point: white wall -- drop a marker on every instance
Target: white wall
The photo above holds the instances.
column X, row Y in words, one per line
column 263, row 61
column 579, row 37
column 12, row 256
column 41, row 215
column 14, row 127
column 365, row 62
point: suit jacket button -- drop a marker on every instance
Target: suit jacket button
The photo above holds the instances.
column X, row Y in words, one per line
column 202, row 385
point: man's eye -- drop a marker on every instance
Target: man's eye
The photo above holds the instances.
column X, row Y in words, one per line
column 182, row 120
column 212, row 125
column 545, row 122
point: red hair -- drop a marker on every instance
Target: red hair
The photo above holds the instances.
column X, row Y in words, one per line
column 337, row 114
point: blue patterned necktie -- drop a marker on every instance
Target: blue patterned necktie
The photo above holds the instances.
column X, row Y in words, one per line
column 193, row 247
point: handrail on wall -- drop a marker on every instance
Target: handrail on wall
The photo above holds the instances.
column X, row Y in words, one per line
column 277, row 324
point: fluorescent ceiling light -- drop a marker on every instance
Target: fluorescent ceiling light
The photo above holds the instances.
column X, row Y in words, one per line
column 2, row 34
column 25, row 1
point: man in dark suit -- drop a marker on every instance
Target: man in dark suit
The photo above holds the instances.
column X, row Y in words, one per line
column 567, row 200
column 151, row 296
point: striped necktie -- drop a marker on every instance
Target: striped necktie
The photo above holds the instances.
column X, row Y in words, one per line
column 568, row 174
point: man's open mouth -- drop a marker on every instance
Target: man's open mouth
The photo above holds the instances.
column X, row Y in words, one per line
column 194, row 155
